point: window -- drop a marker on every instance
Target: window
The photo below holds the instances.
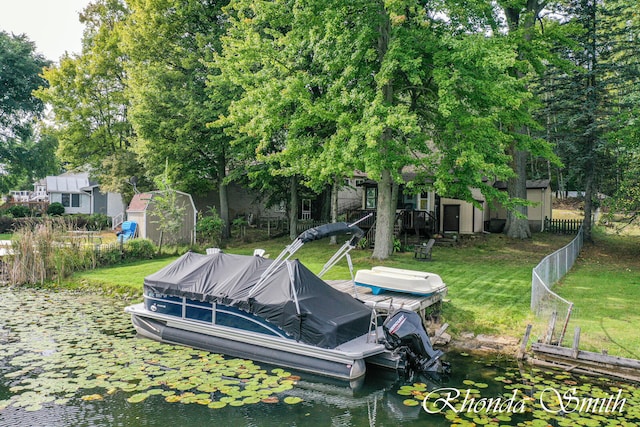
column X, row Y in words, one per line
column 371, row 198
column 423, row 201
column 70, row 200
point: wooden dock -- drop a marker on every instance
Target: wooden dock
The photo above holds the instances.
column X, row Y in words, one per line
column 389, row 301
column 572, row 359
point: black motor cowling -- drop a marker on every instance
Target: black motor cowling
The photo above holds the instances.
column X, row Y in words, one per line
column 404, row 332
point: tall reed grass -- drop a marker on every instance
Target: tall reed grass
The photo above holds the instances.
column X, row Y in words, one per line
column 45, row 250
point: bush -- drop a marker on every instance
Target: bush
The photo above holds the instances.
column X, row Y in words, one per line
column 209, row 228
column 139, row 249
column 93, row 222
column 55, row 209
column 19, row 211
column 7, row 224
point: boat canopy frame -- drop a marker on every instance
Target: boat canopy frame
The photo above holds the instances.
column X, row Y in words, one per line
column 317, row 233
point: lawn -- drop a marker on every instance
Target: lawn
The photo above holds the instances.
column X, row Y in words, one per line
column 604, row 285
column 489, row 276
column 489, row 281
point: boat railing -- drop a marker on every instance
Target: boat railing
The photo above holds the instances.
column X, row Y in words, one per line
column 373, row 322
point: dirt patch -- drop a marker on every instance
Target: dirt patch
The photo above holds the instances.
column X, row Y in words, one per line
column 570, row 203
column 468, row 341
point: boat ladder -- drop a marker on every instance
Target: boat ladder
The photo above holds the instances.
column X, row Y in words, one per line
column 373, row 322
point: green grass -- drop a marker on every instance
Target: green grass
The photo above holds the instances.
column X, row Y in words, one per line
column 6, row 236
column 604, row 285
column 489, row 281
column 489, row 277
column 121, row 279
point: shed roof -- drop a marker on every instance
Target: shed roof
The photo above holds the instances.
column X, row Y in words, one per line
column 140, row 202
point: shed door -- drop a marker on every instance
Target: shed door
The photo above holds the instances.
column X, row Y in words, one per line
column 451, row 220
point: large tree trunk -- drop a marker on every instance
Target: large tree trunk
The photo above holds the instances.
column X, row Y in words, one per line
column 334, row 206
column 384, row 219
column 223, row 197
column 517, row 226
column 293, row 209
column 589, row 193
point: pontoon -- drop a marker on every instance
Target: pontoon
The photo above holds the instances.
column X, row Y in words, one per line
column 279, row 312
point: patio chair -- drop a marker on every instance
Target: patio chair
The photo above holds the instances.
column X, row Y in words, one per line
column 129, row 229
column 423, row 252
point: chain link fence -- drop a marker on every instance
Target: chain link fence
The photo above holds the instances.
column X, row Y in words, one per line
column 546, row 304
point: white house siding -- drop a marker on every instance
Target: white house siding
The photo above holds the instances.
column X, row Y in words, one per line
column 85, row 203
column 115, row 204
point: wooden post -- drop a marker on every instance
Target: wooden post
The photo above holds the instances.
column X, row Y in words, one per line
column 551, row 328
column 566, row 323
column 576, row 342
column 523, row 344
column 440, row 331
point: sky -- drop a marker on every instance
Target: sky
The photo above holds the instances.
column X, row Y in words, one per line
column 51, row 24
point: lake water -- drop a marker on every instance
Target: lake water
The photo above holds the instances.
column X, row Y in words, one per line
column 72, row 359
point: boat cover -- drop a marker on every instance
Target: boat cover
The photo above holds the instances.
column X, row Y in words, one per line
column 333, row 229
column 327, row 316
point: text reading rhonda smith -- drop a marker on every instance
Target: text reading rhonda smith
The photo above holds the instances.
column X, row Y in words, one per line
column 550, row 400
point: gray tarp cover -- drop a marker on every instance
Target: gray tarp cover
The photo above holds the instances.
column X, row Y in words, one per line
column 328, row 317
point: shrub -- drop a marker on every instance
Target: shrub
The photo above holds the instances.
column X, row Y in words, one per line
column 19, row 211
column 110, row 255
column 55, row 209
column 93, row 222
column 209, row 228
column 6, row 224
column 139, row 249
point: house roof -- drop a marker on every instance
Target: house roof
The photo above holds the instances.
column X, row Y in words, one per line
column 69, row 183
column 531, row 184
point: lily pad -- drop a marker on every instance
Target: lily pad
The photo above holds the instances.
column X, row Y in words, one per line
column 292, row 400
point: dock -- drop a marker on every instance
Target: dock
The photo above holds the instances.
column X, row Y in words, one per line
column 427, row 306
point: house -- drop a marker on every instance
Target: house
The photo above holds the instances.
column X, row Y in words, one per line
column 143, row 211
column 428, row 213
column 539, row 193
column 78, row 194
column 459, row 216
column 418, row 213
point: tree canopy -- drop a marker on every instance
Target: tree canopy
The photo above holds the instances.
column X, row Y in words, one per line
column 295, row 94
column 87, row 93
column 24, row 153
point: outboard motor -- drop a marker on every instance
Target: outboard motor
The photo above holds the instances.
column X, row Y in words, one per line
column 404, row 333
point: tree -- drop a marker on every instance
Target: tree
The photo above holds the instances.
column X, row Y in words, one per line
column 169, row 44
column 168, row 210
column 25, row 154
column 311, row 100
column 594, row 104
column 335, row 87
column 87, row 94
column 521, row 18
